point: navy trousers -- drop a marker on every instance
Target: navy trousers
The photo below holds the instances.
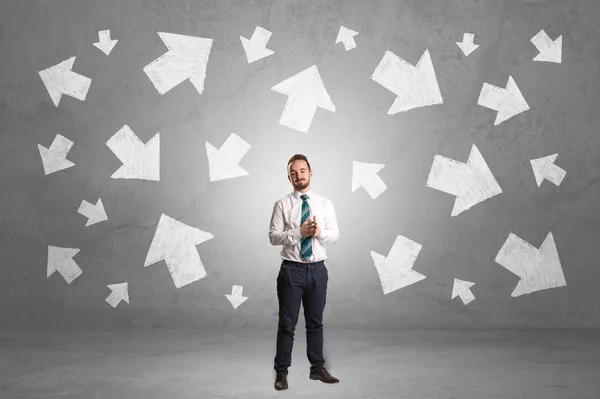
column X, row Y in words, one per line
column 306, row 283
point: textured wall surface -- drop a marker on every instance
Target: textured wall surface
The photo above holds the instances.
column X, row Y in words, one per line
column 40, row 210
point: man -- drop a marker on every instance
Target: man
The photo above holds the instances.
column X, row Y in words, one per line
column 302, row 222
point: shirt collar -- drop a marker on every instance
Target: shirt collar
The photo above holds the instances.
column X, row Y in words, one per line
column 297, row 194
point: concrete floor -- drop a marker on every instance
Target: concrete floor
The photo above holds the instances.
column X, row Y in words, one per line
column 238, row 364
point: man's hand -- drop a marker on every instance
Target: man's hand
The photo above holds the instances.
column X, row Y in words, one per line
column 308, row 228
column 317, row 232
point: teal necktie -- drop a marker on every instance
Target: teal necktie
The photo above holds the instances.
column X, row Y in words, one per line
column 306, row 245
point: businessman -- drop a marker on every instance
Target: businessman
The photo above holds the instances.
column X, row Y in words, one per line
column 302, row 222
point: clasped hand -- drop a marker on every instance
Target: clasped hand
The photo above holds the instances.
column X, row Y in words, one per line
column 310, row 228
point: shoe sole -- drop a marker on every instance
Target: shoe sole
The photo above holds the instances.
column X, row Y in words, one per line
column 316, row 378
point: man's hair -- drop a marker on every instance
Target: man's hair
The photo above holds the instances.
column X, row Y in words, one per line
column 295, row 158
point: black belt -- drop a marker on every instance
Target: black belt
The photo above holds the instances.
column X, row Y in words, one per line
column 302, row 263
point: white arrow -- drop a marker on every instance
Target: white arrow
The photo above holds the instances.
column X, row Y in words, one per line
column 462, row 289
column 223, row 163
column 55, row 157
column 59, row 80
column 550, row 50
column 471, row 183
column 539, row 269
column 508, row 102
column 140, row 161
column 256, row 47
column 105, row 44
column 544, row 168
column 346, row 36
column 176, row 242
column 61, row 260
column 236, row 297
column 119, row 293
column 415, row 87
column 305, row 92
column 395, row 271
column 365, row 175
column 467, row 45
column 186, row 59
column 94, row 213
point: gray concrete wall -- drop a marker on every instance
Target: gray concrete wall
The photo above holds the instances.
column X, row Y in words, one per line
column 40, row 210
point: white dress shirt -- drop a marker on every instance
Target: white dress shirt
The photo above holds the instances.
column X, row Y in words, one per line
column 285, row 225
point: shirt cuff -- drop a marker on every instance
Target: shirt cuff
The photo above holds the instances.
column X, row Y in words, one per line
column 296, row 234
column 322, row 237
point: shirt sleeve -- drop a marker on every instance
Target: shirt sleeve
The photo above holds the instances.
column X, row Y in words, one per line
column 278, row 236
column 330, row 232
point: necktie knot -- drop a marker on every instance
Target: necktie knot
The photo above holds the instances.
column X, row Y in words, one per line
column 304, row 197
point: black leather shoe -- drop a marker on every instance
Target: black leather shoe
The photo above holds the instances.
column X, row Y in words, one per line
column 323, row 375
column 281, row 381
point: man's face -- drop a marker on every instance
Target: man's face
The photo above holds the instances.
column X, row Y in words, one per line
column 299, row 175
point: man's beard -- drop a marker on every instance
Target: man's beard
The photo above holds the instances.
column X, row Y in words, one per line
column 302, row 184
